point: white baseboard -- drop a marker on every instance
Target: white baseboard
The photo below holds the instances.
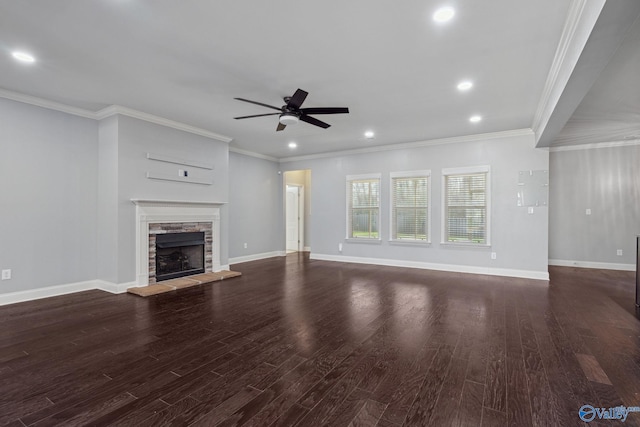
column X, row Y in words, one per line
column 115, row 288
column 526, row 274
column 256, row 257
column 591, row 264
column 307, row 249
column 70, row 288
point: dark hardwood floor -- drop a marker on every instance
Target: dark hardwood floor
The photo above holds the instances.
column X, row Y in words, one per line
column 311, row 343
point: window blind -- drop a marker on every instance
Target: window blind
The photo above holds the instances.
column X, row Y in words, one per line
column 364, row 208
column 466, row 208
column 410, row 208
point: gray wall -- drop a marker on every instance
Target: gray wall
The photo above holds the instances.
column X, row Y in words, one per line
column 255, row 206
column 519, row 239
column 607, row 181
column 135, row 139
column 48, row 196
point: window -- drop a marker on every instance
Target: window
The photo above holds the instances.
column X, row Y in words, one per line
column 363, row 206
column 466, row 205
column 410, row 206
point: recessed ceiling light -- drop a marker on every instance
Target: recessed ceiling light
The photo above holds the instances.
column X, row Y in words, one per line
column 23, row 57
column 369, row 134
column 292, row 145
column 444, row 14
column 465, row 85
column 475, row 119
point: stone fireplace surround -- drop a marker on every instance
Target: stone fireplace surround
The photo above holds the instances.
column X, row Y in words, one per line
column 169, row 216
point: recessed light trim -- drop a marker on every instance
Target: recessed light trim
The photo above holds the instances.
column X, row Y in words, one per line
column 23, row 57
column 465, row 85
column 475, row 119
column 444, row 14
column 292, row 145
column 369, row 134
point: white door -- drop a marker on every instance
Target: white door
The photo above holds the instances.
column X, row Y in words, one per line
column 293, row 218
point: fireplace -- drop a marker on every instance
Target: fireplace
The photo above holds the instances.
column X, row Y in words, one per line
column 157, row 218
column 179, row 254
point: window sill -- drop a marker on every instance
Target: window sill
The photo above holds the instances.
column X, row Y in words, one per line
column 423, row 243
column 466, row 245
column 363, row 240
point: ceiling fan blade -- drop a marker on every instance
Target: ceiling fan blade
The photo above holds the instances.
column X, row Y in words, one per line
column 280, row 127
column 325, row 110
column 257, row 115
column 297, row 99
column 314, row 121
column 258, row 103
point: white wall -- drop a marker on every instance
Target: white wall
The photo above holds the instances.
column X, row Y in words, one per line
column 519, row 239
column 255, row 208
column 48, row 196
column 607, row 181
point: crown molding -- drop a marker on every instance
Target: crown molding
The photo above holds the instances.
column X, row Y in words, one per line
column 109, row 111
column 595, row 145
column 253, row 154
column 417, row 144
column 45, row 103
column 113, row 110
column 570, row 47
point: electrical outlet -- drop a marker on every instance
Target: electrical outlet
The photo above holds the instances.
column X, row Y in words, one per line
column 340, row 247
column 530, row 210
column 246, row 246
column 494, row 255
column 588, row 211
column 6, row 274
column 619, row 252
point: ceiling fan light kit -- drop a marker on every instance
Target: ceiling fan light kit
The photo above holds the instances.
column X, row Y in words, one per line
column 288, row 119
column 291, row 113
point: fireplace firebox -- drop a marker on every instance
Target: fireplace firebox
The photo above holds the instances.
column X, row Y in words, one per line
column 179, row 254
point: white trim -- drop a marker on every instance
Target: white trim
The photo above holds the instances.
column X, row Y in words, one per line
column 109, row 111
column 525, row 274
column 591, row 264
column 150, row 211
column 416, row 144
column 45, row 103
column 306, row 249
column 348, row 189
column 113, row 110
column 364, row 176
column 256, row 257
column 115, row 288
column 49, row 291
column 187, row 180
column 410, row 174
column 467, row 170
column 595, row 145
column 252, row 154
column 177, row 161
column 565, row 59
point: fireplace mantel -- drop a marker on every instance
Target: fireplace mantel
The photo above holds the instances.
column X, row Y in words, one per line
column 172, row 211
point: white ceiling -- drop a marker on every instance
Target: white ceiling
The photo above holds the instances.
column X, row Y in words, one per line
column 388, row 62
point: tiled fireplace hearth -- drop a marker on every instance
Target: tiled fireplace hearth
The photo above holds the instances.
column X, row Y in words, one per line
column 155, row 217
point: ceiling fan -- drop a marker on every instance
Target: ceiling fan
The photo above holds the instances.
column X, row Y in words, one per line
column 291, row 112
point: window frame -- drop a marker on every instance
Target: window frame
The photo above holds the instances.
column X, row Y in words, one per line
column 461, row 171
column 392, row 207
column 349, row 232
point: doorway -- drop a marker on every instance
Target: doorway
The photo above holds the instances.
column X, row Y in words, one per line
column 296, row 210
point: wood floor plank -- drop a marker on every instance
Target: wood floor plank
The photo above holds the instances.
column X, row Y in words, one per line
column 295, row 341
